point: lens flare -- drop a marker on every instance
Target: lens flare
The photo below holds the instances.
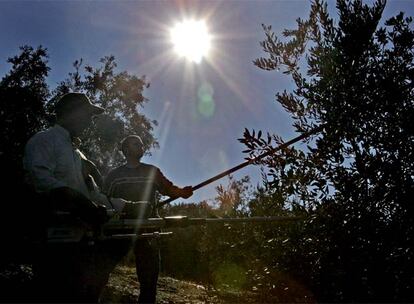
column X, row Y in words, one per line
column 229, row 277
column 206, row 105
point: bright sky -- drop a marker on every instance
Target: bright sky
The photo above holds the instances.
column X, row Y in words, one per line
column 201, row 108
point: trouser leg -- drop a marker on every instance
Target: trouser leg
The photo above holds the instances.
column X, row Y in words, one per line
column 76, row 273
column 57, row 275
column 147, row 259
column 108, row 255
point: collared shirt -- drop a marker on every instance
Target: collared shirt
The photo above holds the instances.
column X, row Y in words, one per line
column 51, row 161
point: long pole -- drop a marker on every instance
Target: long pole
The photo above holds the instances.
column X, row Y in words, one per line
column 183, row 221
column 248, row 162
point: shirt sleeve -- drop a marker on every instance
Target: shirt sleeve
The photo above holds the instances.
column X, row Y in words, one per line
column 40, row 162
column 107, row 183
column 165, row 186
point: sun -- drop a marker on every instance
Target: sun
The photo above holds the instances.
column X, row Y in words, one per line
column 191, row 39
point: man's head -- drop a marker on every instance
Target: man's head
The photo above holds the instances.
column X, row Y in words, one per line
column 132, row 146
column 74, row 111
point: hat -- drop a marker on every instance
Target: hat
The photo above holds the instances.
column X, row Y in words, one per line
column 75, row 101
column 124, row 142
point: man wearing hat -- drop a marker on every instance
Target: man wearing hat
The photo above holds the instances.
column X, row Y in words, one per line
column 59, row 173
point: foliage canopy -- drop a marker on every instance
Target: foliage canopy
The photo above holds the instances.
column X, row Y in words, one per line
column 356, row 178
column 27, row 107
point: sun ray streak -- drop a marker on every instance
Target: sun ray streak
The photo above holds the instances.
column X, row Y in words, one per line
column 167, row 114
column 231, row 84
column 156, row 64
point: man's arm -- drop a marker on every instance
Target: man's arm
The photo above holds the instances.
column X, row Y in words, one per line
column 91, row 170
column 166, row 187
column 107, row 182
column 39, row 162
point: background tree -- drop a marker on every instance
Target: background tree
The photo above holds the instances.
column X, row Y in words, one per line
column 23, row 95
column 355, row 78
column 27, row 107
column 121, row 94
column 232, row 198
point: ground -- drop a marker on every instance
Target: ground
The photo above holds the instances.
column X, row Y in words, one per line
column 124, row 288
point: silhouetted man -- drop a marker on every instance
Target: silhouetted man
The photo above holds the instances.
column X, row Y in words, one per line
column 61, row 175
column 136, row 181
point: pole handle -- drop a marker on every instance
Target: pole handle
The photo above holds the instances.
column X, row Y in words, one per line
column 248, row 162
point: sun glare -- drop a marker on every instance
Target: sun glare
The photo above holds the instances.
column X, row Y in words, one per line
column 191, row 40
